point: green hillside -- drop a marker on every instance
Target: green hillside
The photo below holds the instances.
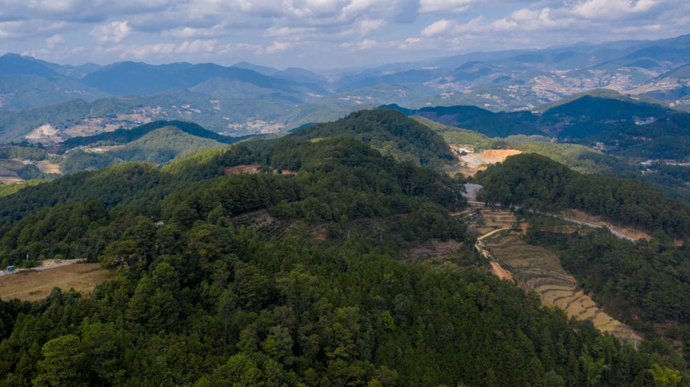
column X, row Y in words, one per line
column 479, row 120
column 156, row 143
column 578, row 157
column 243, row 306
column 597, row 93
column 453, row 135
column 538, row 182
column 163, row 145
column 388, row 131
column 122, row 136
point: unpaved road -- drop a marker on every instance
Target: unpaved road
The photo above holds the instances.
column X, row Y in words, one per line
column 616, row 233
column 53, row 265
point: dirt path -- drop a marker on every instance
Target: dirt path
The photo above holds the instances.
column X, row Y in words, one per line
column 496, row 268
column 45, row 265
column 578, row 217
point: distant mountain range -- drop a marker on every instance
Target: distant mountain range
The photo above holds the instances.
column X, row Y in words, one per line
column 48, row 102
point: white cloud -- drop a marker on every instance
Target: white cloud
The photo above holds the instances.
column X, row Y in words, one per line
column 22, row 29
column 444, row 5
column 410, row 43
column 608, row 9
column 191, row 32
column 54, row 40
column 111, row 32
column 437, row 27
column 277, row 47
column 141, row 51
column 315, row 29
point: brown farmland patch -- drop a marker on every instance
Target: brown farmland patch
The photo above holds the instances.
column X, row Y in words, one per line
column 538, row 269
column 237, row 169
column 254, row 169
column 37, row 285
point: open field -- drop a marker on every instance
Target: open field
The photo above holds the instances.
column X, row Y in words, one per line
column 37, row 285
column 48, row 167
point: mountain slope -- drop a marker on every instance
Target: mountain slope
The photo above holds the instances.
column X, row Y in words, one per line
column 388, row 131
column 163, row 145
column 537, row 182
column 129, row 78
column 478, row 120
column 27, row 83
column 275, row 304
column 122, row 136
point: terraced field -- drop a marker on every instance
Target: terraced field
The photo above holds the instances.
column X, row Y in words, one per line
column 435, row 250
column 539, row 269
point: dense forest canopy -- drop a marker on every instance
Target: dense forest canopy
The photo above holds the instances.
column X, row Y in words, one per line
column 627, row 127
column 200, row 299
column 388, row 131
column 537, row 182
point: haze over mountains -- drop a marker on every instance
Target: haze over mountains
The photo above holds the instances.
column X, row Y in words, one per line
column 249, row 99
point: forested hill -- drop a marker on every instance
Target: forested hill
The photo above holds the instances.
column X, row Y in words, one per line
column 199, row 299
column 626, row 126
column 492, row 124
column 123, row 136
column 536, row 181
column 388, row 131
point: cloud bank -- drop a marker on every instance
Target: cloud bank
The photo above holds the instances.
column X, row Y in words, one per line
column 320, row 33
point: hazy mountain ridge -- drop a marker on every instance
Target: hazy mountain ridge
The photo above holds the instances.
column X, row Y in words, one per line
column 247, row 98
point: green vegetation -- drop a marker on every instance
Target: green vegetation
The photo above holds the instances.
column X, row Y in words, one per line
column 454, row 135
column 645, row 280
column 9, row 189
column 158, row 142
column 578, row 157
column 124, row 136
column 644, row 284
column 388, row 131
column 682, row 72
column 534, row 181
column 23, row 151
column 163, row 145
column 199, row 300
column 479, row 120
column 602, row 94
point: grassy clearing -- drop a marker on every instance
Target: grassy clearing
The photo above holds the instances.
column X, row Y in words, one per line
column 37, row 285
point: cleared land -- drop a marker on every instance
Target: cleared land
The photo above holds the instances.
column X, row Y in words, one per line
column 470, row 161
column 37, row 285
column 539, row 269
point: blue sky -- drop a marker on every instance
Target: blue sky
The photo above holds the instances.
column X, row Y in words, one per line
column 319, row 33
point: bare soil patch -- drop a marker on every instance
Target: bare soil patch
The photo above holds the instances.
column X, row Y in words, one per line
column 37, row 285
column 471, row 162
column 254, row 169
